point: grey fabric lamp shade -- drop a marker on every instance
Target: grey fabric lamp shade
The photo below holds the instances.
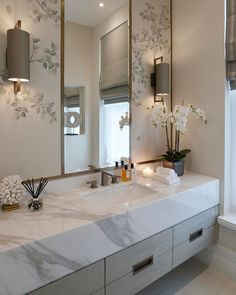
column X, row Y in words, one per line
column 162, row 79
column 18, row 55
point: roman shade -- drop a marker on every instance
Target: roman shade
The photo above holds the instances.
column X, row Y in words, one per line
column 231, row 44
column 114, row 64
column 72, row 97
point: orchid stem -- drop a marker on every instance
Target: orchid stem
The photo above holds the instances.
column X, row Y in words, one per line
column 178, row 136
column 167, row 137
column 176, row 139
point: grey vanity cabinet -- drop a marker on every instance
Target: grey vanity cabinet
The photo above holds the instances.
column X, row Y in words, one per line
column 132, row 282
column 136, row 267
column 193, row 235
column 89, row 280
column 132, row 269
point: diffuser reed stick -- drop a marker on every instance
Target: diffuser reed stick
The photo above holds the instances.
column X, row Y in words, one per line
column 29, row 185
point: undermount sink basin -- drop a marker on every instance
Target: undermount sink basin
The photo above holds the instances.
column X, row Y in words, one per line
column 118, row 195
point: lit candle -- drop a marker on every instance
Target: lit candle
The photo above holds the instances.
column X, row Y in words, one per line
column 147, row 172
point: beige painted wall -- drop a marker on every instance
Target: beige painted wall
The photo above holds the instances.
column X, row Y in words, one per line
column 199, row 79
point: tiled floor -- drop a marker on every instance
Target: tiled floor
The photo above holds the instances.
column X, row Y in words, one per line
column 192, row 278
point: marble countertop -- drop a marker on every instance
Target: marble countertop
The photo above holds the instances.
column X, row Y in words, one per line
column 72, row 231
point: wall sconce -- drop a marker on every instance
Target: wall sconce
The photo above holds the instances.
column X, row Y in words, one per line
column 18, row 56
column 160, row 79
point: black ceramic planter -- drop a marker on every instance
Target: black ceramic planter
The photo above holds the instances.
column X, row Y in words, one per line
column 177, row 166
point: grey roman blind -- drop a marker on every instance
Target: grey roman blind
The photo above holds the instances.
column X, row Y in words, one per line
column 231, row 43
column 72, row 96
column 114, row 65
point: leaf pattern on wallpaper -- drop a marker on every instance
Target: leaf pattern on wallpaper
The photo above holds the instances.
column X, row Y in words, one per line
column 47, row 58
column 45, row 10
column 151, row 38
column 26, row 100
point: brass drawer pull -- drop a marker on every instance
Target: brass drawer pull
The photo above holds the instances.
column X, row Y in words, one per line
column 196, row 235
column 142, row 265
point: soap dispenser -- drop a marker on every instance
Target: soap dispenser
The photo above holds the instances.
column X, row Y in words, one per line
column 128, row 173
column 117, row 169
column 123, row 174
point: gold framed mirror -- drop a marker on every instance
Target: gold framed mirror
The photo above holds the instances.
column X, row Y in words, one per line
column 95, row 56
column 145, row 143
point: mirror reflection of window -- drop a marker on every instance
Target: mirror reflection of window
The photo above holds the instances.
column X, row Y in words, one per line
column 114, row 88
column 116, row 140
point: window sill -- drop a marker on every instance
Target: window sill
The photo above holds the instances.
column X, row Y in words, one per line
column 228, row 220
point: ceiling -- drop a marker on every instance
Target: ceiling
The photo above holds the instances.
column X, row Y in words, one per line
column 88, row 13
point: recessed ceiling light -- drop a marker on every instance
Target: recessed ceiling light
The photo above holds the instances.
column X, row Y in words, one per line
column 101, row 4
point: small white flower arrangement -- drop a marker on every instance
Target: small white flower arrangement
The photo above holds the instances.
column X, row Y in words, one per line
column 178, row 118
column 11, row 190
column 124, row 121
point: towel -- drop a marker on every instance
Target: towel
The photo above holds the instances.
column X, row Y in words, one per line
column 166, row 172
column 165, row 180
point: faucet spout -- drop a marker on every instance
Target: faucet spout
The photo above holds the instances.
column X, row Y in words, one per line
column 105, row 177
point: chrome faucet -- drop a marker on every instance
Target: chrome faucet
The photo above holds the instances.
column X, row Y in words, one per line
column 105, row 177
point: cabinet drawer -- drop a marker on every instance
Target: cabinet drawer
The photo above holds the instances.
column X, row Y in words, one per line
column 132, row 283
column 123, row 262
column 83, row 282
column 187, row 229
column 190, row 248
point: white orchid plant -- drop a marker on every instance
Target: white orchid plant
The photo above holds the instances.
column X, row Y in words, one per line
column 178, row 119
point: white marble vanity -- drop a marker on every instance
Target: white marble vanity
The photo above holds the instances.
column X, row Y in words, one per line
column 121, row 236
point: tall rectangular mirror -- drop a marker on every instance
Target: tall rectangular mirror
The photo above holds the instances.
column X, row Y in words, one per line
column 95, row 104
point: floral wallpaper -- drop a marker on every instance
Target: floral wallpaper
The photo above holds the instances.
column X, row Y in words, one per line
column 25, row 101
column 151, row 38
column 30, row 119
column 44, row 10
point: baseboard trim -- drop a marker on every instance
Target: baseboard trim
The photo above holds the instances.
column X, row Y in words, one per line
column 221, row 258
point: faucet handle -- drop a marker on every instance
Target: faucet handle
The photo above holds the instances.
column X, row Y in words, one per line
column 93, row 183
column 115, row 178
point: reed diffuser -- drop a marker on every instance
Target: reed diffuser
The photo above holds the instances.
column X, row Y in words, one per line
column 35, row 203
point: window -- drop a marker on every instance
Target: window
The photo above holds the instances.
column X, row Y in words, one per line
column 116, row 141
column 233, row 149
